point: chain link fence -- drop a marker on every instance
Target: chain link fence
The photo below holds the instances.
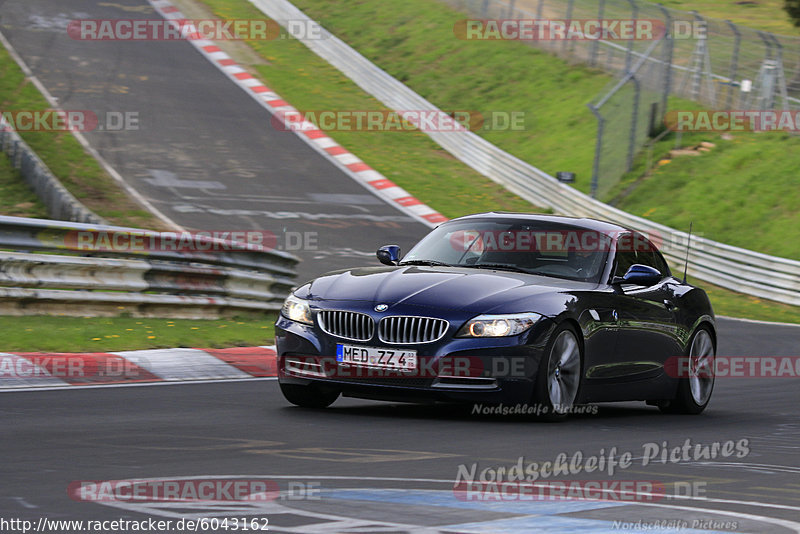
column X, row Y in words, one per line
column 715, row 63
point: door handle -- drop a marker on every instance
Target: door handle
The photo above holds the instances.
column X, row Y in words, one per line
column 669, row 305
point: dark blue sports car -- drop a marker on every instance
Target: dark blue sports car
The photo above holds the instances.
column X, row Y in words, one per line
column 540, row 311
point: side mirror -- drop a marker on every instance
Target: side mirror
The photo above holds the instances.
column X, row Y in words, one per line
column 388, row 254
column 640, row 275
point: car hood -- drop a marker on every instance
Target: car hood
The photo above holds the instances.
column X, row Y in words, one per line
column 456, row 288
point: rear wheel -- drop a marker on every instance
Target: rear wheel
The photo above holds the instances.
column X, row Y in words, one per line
column 559, row 376
column 694, row 389
column 309, row 396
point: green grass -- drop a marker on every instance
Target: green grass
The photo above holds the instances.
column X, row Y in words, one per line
column 106, row 334
column 16, row 198
column 77, row 170
column 767, row 15
column 731, row 304
column 744, row 192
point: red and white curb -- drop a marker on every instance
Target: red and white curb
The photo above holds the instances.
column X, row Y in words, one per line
column 348, row 162
column 48, row 370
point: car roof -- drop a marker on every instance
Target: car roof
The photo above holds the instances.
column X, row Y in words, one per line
column 580, row 222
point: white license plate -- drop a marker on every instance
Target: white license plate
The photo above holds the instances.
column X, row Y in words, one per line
column 405, row 360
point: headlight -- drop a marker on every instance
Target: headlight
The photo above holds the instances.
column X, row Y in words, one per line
column 297, row 310
column 498, row 325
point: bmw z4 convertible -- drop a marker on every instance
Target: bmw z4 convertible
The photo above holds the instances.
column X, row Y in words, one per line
column 504, row 308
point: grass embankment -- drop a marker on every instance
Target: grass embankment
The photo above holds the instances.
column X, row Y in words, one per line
column 80, row 173
column 766, row 15
column 107, row 334
column 16, row 198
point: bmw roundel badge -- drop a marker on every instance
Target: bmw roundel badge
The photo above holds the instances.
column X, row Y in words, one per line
column 381, row 307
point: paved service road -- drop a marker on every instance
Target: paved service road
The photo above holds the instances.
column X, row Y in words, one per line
column 204, row 153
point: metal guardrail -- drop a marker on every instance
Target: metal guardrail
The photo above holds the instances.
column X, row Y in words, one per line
column 734, row 268
column 73, row 275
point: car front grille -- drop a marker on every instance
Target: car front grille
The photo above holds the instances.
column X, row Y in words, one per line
column 409, row 329
column 349, row 325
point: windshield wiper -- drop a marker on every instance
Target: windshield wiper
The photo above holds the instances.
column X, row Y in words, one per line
column 425, row 262
column 499, row 267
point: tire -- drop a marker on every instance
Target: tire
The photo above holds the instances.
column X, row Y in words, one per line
column 694, row 391
column 560, row 373
column 308, row 396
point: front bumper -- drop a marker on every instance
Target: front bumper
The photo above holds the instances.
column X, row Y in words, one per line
column 486, row 370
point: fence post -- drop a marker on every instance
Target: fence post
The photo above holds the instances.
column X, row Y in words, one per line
column 669, row 44
column 511, row 9
column 629, row 51
column 780, row 78
column 737, row 39
column 601, row 7
column 634, row 123
column 765, row 76
column 570, row 6
column 598, row 147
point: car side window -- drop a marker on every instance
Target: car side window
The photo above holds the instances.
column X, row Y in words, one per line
column 625, row 259
column 653, row 259
column 647, row 254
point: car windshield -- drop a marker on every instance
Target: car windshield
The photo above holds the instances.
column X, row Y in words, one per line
column 533, row 247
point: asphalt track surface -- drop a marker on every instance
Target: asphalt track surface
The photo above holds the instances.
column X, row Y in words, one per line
column 359, row 466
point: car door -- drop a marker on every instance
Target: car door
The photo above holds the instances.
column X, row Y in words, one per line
column 647, row 329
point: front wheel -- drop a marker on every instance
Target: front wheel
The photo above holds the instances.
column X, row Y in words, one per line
column 559, row 376
column 309, row 396
column 694, row 389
